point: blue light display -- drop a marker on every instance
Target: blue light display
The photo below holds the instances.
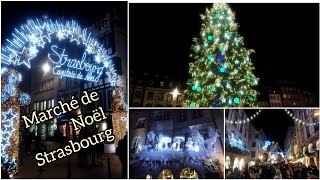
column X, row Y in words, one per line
column 266, row 145
column 24, row 99
column 27, row 40
column 7, row 128
column 4, row 97
column 65, row 67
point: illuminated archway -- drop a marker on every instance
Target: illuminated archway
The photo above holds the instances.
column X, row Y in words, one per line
column 24, row 46
column 165, row 174
column 188, row 173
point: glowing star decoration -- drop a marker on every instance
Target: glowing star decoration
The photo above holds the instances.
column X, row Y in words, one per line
column 45, row 31
column 8, row 115
column 25, row 57
column 60, row 35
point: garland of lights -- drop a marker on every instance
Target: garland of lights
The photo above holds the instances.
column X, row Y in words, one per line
column 299, row 120
column 11, row 100
column 119, row 119
column 25, row 44
column 244, row 121
column 222, row 72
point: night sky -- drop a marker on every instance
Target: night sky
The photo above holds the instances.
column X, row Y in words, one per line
column 273, row 122
column 13, row 14
column 285, row 38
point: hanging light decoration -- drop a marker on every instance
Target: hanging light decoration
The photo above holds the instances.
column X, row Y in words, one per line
column 256, row 114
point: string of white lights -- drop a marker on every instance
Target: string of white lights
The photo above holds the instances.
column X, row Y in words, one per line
column 301, row 121
column 246, row 120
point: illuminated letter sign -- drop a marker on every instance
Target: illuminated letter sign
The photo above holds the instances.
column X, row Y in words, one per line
column 73, row 68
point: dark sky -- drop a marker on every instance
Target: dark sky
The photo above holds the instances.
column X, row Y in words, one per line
column 13, row 14
column 284, row 36
column 273, row 122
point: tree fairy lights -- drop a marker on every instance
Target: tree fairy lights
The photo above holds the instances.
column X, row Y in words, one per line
column 11, row 100
column 222, row 72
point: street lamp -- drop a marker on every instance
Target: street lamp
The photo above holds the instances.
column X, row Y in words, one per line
column 175, row 94
column 46, row 67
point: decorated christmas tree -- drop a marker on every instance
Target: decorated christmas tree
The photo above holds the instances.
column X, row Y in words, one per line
column 221, row 71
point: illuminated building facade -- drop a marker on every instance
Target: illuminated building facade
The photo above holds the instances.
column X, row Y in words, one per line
column 288, row 143
column 256, row 141
column 154, row 90
column 237, row 139
column 176, row 143
column 306, row 136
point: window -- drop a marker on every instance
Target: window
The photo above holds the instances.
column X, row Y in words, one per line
column 138, row 94
column 315, row 124
column 135, row 142
column 161, row 83
column 41, row 106
column 253, row 144
column 160, row 96
column 257, row 136
column 182, row 116
column 197, row 114
column 150, row 95
column 170, row 84
column 284, row 96
column 140, row 123
column 253, row 154
column 44, row 105
column 162, row 115
column 179, row 98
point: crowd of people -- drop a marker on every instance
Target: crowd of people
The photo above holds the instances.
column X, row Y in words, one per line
column 274, row 171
